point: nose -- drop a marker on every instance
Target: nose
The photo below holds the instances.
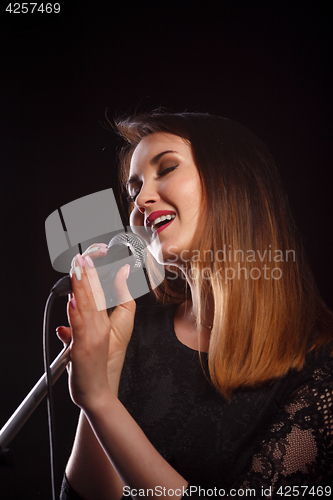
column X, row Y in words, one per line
column 147, row 196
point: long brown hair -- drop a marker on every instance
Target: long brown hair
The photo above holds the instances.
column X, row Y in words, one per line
column 268, row 312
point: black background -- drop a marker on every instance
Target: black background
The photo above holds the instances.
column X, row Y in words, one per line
column 264, row 64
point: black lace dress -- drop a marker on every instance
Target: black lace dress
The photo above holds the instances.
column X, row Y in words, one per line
column 270, row 439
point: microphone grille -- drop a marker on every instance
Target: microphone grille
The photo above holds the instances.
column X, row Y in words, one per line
column 136, row 245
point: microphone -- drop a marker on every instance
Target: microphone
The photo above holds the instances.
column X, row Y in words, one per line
column 122, row 246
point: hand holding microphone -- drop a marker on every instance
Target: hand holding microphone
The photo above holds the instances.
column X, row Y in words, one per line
column 64, row 232
column 99, row 342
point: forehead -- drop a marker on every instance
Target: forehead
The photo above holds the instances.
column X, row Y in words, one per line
column 154, row 144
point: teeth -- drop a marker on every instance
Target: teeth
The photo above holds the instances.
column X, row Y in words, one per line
column 161, row 219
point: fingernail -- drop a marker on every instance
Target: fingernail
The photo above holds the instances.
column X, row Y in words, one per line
column 80, row 260
column 89, row 261
column 92, row 250
column 103, row 250
column 73, row 303
column 128, row 270
column 77, row 272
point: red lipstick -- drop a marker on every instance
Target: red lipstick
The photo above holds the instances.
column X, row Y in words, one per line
column 151, row 217
column 156, row 215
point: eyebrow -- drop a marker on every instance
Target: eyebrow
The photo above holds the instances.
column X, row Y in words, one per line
column 152, row 162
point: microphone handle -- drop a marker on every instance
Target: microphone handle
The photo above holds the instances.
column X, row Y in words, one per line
column 32, row 400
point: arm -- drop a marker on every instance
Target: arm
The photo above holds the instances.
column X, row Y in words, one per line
column 97, row 358
column 136, row 460
column 89, row 471
column 297, row 448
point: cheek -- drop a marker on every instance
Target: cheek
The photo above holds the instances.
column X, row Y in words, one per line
column 183, row 188
column 188, row 192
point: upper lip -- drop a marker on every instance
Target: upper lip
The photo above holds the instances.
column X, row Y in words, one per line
column 151, row 217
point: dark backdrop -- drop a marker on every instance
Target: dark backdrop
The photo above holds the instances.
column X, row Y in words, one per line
column 264, row 64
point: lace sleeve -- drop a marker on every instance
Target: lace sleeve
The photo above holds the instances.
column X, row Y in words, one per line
column 298, row 447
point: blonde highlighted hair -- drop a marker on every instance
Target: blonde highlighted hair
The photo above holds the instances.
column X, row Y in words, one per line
column 264, row 322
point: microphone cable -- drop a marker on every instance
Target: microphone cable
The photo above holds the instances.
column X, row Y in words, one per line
column 46, row 358
column 62, row 287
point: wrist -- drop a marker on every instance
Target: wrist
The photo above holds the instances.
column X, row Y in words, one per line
column 100, row 403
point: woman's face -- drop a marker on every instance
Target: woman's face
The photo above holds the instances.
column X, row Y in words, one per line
column 165, row 186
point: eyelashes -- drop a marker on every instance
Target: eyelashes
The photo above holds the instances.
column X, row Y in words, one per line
column 167, row 170
column 131, row 198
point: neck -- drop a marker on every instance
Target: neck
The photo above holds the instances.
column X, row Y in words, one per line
column 207, row 307
column 188, row 330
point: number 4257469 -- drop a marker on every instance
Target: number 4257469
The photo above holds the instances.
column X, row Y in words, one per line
column 30, row 8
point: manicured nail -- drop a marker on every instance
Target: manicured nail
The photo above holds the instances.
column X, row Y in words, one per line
column 103, row 250
column 128, row 270
column 80, row 260
column 77, row 272
column 93, row 249
column 73, row 303
column 89, row 261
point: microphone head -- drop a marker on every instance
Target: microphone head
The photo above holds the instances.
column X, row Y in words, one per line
column 134, row 243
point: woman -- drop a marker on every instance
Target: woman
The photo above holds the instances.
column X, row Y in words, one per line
column 227, row 382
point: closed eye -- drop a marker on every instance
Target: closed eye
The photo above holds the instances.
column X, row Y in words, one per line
column 167, row 170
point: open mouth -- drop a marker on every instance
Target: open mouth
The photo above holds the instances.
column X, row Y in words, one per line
column 161, row 223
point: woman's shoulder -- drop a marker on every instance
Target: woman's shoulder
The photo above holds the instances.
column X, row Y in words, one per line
column 315, row 379
column 319, row 363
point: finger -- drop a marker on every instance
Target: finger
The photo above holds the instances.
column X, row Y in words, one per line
column 77, row 266
column 87, row 287
column 64, row 333
column 96, row 250
column 73, row 313
column 95, row 284
column 120, row 285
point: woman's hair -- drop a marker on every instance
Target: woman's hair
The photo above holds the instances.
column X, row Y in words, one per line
column 268, row 312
